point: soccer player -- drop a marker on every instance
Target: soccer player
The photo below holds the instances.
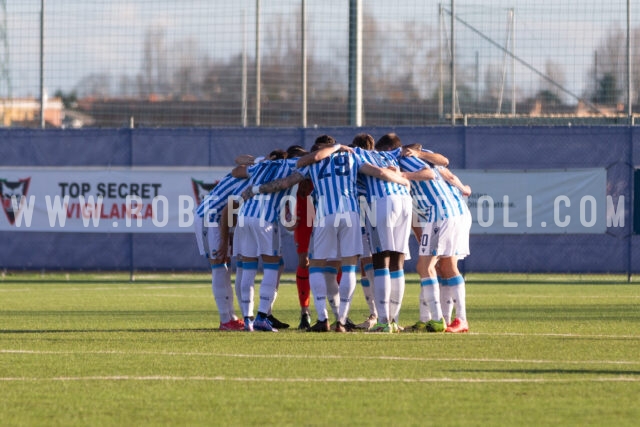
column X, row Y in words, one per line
column 212, row 238
column 256, row 236
column 389, row 231
column 336, row 234
column 446, row 222
column 302, row 213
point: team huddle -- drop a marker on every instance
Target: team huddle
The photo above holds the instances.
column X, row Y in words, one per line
column 352, row 209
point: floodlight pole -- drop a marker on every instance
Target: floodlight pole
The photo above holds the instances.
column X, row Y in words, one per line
column 453, row 64
column 355, row 62
column 303, row 54
column 244, row 71
column 42, row 94
column 629, row 80
column 258, row 64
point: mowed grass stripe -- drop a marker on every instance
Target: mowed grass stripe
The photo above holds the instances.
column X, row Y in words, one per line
column 620, row 378
column 323, row 357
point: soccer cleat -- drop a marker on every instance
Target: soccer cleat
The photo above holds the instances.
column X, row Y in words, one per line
column 380, row 327
column 436, row 325
column 458, row 326
column 368, row 324
column 320, row 326
column 305, row 322
column 419, row 326
column 349, row 325
column 394, row 328
column 344, row 328
column 276, row 323
column 239, row 322
column 248, row 324
column 231, row 325
column 263, row 324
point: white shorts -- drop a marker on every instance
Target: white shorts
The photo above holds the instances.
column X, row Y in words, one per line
column 446, row 237
column 255, row 238
column 207, row 238
column 393, row 224
column 336, row 236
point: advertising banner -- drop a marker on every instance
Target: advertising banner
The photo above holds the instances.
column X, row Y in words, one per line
column 540, row 202
column 162, row 200
column 104, row 200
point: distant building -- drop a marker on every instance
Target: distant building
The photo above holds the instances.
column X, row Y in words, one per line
column 26, row 112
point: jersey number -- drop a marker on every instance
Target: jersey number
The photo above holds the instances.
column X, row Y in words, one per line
column 339, row 165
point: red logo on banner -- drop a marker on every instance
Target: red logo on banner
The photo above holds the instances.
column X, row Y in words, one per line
column 201, row 189
column 10, row 189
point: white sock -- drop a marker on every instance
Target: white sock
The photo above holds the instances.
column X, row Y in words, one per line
column 458, row 294
column 367, row 289
column 382, row 290
column 397, row 294
column 333, row 293
column 249, row 271
column 230, row 295
column 218, row 288
column 319, row 290
column 446, row 299
column 238, row 283
column 268, row 287
column 430, row 299
column 347, row 287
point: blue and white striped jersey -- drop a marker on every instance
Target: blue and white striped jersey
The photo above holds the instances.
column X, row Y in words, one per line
column 378, row 188
column 457, row 195
column 267, row 206
column 218, row 198
column 334, row 183
column 432, row 199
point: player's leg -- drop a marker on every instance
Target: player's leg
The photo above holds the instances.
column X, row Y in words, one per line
column 400, row 226
column 302, row 237
column 331, row 271
column 318, row 285
column 268, row 246
column 381, row 289
column 268, row 286
column 350, row 241
column 396, row 295
column 455, row 284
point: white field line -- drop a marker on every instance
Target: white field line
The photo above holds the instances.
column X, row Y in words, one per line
column 565, row 335
column 328, row 357
column 133, row 287
column 320, row 380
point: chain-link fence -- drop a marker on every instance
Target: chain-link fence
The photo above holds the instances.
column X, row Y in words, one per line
column 328, row 63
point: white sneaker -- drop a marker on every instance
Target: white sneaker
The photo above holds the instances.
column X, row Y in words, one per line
column 368, row 324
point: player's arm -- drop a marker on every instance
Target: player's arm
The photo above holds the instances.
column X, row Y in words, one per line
column 223, row 227
column 452, row 179
column 415, row 150
column 321, row 154
column 245, row 160
column 425, row 174
column 383, row 173
column 240, row 171
column 273, row 186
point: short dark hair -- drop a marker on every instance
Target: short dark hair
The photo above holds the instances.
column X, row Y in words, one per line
column 325, row 140
column 295, row 151
column 387, row 142
column 277, row 154
column 364, row 141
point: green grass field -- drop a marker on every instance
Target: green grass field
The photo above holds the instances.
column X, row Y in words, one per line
column 97, row 350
